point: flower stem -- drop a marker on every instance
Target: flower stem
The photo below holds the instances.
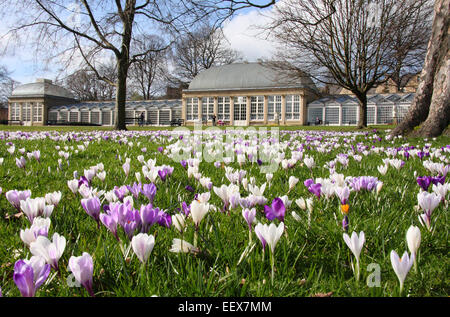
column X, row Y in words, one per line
column 195, row 238
column 272, row 262
column 357, row 270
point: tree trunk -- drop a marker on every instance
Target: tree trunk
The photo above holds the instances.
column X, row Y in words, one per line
column 121, row 93
column 433, row 88
column 362, row 103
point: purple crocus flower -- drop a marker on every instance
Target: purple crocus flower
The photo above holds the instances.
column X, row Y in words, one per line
column 83, row 180
column 111, row 218
column 164, row 172
column 364, row 182
column 186, row 208
column 164, row 219
column 129, row 227
column 421, row 154
column 149, row 191
column 92, row 207
column 247, row 202
column 149, row 216
column 82, row 268
column 315, row 189
column 184, row 163
column 120, row 192
column 249, row 216
column 343, row 193
column 438, row 179
column 135, row 189
column 424, row 182
column 345, row 223
column 21, row 163
column 30, row 274
column 189, row 188
column 308, row 182
column 129, row 219
column 160, row 149
column 15, row 196
column 276, row 210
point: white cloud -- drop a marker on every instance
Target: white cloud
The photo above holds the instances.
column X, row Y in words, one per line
column 243, row 34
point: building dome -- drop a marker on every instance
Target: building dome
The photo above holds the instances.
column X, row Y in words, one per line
column 244, row 76
column 41, row 88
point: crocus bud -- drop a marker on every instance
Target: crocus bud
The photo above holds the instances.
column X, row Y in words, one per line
column 413, row 239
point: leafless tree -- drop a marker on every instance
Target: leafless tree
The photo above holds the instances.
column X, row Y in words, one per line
column 344, row 41
column 7, row 85
column 201, row 49
column 147, row 76
column 410, row 40
column 86, row 86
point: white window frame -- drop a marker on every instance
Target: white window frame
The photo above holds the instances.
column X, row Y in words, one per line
column 207, row 107
column 37, row 110
column 223, row 103
column 257, row 108
column 192, row 109
column 274, row 105
column 293, row 104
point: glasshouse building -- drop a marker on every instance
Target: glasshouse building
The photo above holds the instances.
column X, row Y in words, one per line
column 44, row 103
column 238, row 94
column 247, row 94
column 155, row 112
column 344, row 110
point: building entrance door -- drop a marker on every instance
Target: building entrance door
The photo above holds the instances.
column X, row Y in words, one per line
column 26, row 114
column 240, row 111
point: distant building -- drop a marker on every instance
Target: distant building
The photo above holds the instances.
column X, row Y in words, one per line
column 409, row 83
column 29, row 103
column 3, row 112
column 246, row 94
column 344, row 110
column 239, row 94
column 175, row 92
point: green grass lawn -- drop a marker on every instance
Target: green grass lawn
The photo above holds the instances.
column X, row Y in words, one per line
column 309, row 258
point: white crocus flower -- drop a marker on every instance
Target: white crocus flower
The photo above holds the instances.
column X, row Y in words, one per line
column 182, row 246
column 428, row 201
column 292, row 182
column 383, row 169
column 355, row 244
column 30, row 208
column 53, row 198
column 441, row 190
column 73, row 185
column 198, row 211
column 142, row 245
column 178, row 220
column 309, row 162
column 413, row 239
column 101, row 176
column 401, row 266
column 271, row 233
column 51, row 251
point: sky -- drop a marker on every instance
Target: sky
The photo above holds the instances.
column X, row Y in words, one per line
column 26, row 67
